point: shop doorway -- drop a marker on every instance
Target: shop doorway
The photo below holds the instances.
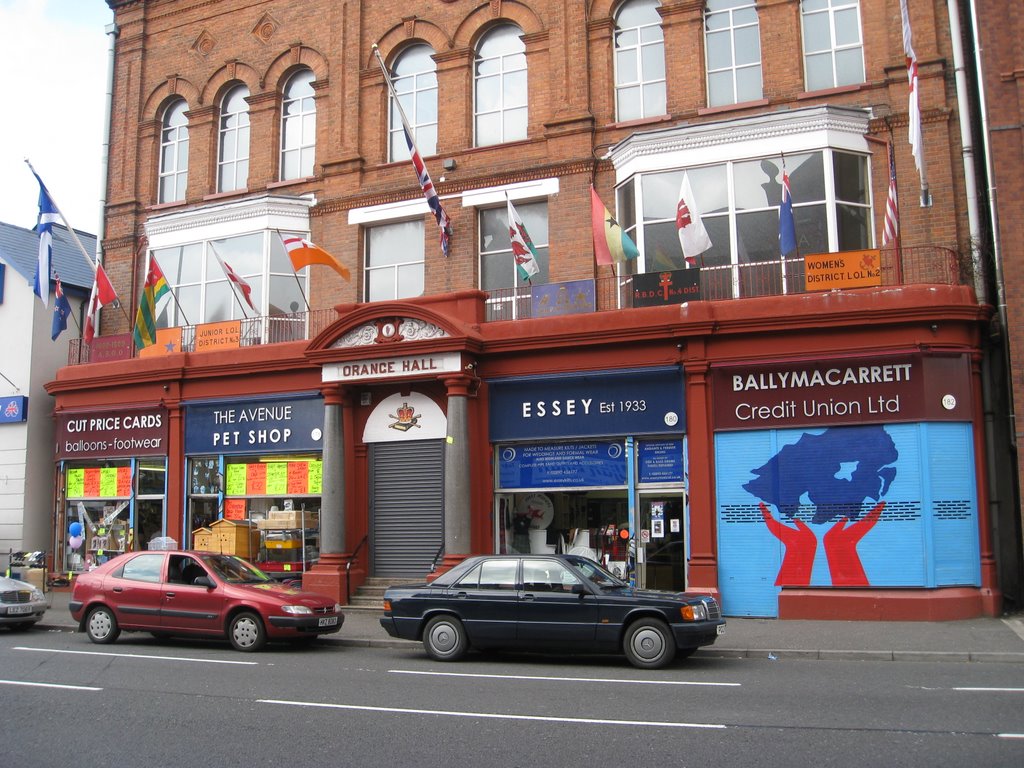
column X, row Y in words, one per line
column 406, row 507
column 663, row 517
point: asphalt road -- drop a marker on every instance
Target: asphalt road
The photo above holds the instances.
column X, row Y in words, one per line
column 65, row 701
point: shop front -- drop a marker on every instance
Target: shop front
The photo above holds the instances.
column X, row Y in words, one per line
column 112, row 484
column 254, row 479
column 844, row 481
column 593, row 464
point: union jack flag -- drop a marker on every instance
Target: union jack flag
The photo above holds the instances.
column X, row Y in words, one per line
column 440, row 215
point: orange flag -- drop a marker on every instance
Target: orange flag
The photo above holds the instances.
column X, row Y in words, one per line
column 303, row 254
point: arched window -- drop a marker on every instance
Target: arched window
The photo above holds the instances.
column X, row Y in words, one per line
column 233, row 149
column 298, row 127
column 732, row 39
column 500, row 87
column 415, row 81
column 173, row 154
column 639, row 61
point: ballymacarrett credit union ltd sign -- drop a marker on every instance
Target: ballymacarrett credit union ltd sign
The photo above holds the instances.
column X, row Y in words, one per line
column 855, row 391
column 112, row 434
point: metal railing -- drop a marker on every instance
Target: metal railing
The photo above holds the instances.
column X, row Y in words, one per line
column 348, row 568
column 906, row 266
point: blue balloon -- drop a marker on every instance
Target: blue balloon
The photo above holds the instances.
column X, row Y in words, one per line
column 75, row 529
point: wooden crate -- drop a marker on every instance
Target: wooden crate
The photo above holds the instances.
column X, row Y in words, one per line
column 228, row 537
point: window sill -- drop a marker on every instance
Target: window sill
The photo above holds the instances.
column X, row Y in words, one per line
column 167, row 206
column 831, row 91
column 641, row 121
column 732, row 107
column 223, row 195
column 290, row 182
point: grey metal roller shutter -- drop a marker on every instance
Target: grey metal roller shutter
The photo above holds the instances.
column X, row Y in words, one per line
column 407, row 506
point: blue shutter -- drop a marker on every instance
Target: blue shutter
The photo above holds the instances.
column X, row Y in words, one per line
column 954, row 504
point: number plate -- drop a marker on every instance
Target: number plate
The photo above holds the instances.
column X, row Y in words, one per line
column 329, row 622
column 721, row 629
column 16, row 610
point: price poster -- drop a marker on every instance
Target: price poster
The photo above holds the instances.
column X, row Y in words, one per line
column 277, row 478
column 256, row 479
column 234, row 509
column 234, row 484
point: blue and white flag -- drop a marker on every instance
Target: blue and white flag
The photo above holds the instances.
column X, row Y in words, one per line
column 61, row 310
column 48, row 214
column 787, row 229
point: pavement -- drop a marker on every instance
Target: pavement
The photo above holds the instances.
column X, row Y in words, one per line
column 998, row 640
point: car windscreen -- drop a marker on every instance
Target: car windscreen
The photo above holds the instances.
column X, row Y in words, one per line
column 234, row 570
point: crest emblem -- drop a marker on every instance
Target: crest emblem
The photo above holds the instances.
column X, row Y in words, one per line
column 405, row 419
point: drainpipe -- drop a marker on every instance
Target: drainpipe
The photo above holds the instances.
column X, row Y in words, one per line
column 112, row 31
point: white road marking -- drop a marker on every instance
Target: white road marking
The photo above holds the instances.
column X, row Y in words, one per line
column 991, row 690
column 139, row 656
column 489, row 715
column 1010, row 735
column 51, row 685
column 1017, row 625
column 532, row 678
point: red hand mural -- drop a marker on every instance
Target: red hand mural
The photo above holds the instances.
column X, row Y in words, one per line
column 841, row 549
column 800, row 543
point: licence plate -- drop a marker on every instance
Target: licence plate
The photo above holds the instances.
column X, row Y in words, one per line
column 331, row 621
column 15, row 610
column 721, row 629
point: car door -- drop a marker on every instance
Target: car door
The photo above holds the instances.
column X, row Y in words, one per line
column 190, row 607
column 135, row 593
column 486, row 600
column 556, row 609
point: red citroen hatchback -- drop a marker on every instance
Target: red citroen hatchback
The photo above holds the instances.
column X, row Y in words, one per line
column 200, row 594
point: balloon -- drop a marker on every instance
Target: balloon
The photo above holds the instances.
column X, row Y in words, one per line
column 76, row 541
column 75, row 529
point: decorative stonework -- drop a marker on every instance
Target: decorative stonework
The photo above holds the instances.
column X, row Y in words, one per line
column 265, row 28
column 390, row 330
column 203, row 45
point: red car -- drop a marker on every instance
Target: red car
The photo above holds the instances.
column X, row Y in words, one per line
column 197, row 593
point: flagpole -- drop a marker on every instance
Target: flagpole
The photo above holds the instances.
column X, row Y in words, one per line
column 297, row 281
column 174, row 296
column 230, row 281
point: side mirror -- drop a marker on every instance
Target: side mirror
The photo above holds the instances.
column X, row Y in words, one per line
column 203, row 581
column 579, row 589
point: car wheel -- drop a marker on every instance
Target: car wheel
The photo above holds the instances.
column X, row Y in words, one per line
column 101, row 625
column 649, row 644
column 246, row 632
column 444, row 638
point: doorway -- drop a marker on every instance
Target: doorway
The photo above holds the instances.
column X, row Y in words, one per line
column 663, row 516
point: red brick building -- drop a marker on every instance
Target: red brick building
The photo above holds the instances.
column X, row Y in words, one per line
column 802, row 428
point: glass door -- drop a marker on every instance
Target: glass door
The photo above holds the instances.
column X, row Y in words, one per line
column 662, row 523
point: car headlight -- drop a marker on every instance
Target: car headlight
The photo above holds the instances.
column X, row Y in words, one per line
column 37, row 595
column 698, row 612
column 297, row 609
column 337, row 607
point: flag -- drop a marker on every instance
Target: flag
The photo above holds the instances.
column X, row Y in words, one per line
column 916, row 141
column 145, row 318
column 303, row 254
column 103, row 293
column 692, row 236
column 61, row 310
column 523, row 250
column 787, row 230
column 167, row 341
column 236, row 280
column 433, row 201
column 891, row 227
column 611, row 244
column 48, row 215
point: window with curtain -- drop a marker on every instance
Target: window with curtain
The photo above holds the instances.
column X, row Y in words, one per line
column 298, row 127
column 394, row 261
column 732, row 40
column 233, row 147
column 415, row 81
column 173, row 153
column 833, row 43
column 639, row 61
column 500, row 109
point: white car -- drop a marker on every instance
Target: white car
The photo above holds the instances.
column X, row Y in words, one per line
column 21, row 604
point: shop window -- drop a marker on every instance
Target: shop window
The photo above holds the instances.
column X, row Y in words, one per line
column 173, row 154
column 415, row 81
column 500, row 88
column 233, row 154
column 833, row 43
column 394, row 261
column 205, row 481
column 298, row 127
column 732, row 38
column 639, row 61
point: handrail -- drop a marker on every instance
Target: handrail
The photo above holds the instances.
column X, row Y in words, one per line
column 348, row 567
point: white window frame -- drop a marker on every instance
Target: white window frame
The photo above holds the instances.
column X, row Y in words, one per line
column 417, row 93
column 644, row 80
column 233, row 142
column 411, row 258
column 729, row 29
column 509, row 64
column 173, row 146
column 831, row 9
column 302, row 121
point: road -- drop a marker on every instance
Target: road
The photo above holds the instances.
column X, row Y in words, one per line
column 65, row 701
